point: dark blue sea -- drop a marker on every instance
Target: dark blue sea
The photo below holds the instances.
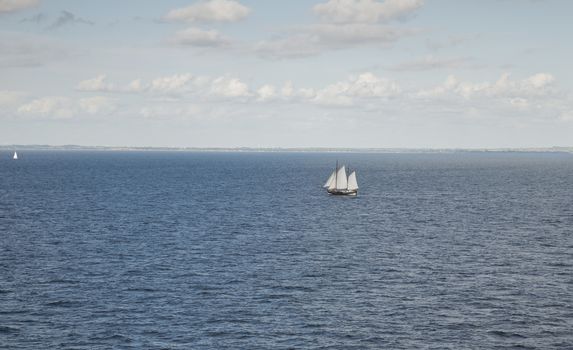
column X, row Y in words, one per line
column 182, row 250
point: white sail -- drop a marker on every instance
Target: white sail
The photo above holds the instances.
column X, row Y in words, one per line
column 341, row 180
column 352, row 183
column 330, row 179
column 15, row 156
column 332, row 184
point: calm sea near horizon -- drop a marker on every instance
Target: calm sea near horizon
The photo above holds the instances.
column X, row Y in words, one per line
column 183, row 250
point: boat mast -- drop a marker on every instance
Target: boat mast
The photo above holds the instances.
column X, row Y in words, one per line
column 336, row 175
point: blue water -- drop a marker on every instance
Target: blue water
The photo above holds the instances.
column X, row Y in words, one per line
column 178, row 250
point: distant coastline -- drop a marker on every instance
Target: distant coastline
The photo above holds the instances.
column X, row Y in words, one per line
column 285, row 149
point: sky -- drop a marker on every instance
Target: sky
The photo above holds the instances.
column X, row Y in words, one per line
column 296, row 73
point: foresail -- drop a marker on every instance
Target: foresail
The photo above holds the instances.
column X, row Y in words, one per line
column 352, row 183
column 332, row 184
column 330, row 180
column 341, row 180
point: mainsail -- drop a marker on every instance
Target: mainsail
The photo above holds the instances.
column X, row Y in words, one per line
column 15, row 156
column 341, row 179
column 332, row 184
column 330, row 180
column 352, row 183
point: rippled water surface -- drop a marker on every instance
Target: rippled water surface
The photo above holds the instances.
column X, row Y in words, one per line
column 176, row 250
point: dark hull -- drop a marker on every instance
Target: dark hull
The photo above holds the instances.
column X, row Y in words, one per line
column 343, row 193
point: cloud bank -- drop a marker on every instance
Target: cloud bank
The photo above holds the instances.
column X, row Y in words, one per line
column 364, row 89
column 60, row 107
column 366, row 11
column 209, row 11
column 345, row 24
column 198, row 37
column 7, row 6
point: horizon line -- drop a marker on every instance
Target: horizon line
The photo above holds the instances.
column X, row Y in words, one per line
column 72, row 147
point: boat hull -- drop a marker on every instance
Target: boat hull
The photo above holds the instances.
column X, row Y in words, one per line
column 343, row 192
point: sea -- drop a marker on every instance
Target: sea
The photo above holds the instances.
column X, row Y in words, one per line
column 246, row 250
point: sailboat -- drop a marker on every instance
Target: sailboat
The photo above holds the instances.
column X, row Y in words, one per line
column 15, row 157
column 339, row 184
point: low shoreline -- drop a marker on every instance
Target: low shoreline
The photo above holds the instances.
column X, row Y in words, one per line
column 285, row 150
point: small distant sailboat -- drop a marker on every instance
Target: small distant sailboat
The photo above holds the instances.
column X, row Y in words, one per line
column 339, row 184
column 15, row 157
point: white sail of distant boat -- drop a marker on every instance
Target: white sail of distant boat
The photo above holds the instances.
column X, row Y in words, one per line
column 341, row 179
column 352, row 183
column 15, row 157
column 330, row 180
column 340, row 184
column 332, row 184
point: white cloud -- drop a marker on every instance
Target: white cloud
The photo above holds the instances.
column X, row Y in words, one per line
column 339, row 36
column 229, row 87
column 200, row 38
column 314, row 39
column 288, row 89
column 56, row 107
column 266, row 92
column 10, row 98
column 176, row 86
column 136, row 86
column 100, row 84
column 169, row 111
column 186, row 86
column 519, row 103
column 16, row 5
column 97, row 105
column 289, row 93
column 449, row 84
column 348, row 24
column 305, row 93
column 366, row 85
column 62, row 107
column 535, row 97
column 333, row 95
column 431, row 62
column 450, row 42
column 366, row 11
column 540, row 80
column 292, row 46
column 171, row 84
column 536, row 85
column 97, row 84
column 369, row 85
column 210, row 11
column 342, row 93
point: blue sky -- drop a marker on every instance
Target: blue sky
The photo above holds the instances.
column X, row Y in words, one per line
column 269, row 73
